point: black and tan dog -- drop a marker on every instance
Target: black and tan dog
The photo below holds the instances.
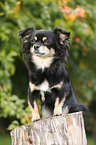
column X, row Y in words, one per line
column 45, row 52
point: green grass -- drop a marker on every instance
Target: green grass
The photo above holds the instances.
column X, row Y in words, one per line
column 90, row 141
column 6, row 140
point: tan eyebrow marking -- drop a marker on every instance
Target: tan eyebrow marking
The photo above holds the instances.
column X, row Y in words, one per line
column 35, row 38
column 27, row 36
column 44, row 38
column 25, row 40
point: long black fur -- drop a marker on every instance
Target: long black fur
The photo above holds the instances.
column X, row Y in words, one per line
column 53, row 74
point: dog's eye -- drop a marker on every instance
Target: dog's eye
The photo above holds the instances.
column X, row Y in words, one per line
column 34, row 40
column 46, row 41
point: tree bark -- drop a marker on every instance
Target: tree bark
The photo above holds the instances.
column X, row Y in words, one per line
column 59, row 130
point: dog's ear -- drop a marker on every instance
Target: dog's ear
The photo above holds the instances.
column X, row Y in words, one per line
column 25, row 35
column 26, row 32
column 62, row 35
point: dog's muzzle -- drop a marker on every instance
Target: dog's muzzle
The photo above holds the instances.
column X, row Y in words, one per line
column 41, row 50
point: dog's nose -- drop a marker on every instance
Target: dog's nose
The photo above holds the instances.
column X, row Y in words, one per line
column 36, row 47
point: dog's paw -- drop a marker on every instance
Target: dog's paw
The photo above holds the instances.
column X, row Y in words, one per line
column 35, row 116
column 57, row 115
column 35, row 120
column 58, row 107
column 58, row 111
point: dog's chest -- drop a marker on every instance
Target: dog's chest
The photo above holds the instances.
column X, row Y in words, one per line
column 44, row 86
column 42, row 63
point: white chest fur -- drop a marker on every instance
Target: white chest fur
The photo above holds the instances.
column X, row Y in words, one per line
column 41, row 62
column 43, row 87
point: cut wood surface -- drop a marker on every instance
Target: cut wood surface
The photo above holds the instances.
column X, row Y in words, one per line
column 59, row 130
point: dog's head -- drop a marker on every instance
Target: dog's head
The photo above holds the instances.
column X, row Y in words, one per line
column 44, row 43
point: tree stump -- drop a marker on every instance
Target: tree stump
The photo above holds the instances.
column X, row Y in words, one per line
column 59, row 130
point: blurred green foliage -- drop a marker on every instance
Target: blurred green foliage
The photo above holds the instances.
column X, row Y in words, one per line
column 6, row 140
column 77, row 16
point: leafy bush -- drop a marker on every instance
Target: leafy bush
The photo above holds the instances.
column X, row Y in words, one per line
column 79, row 17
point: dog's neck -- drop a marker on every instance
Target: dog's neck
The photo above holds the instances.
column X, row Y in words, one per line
column 42, row 62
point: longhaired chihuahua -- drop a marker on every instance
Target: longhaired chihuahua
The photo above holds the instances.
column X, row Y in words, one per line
column 45, row 53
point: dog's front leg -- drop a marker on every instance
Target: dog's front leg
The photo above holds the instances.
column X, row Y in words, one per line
column 58, row 106
column 32, row 101
column 34, row 110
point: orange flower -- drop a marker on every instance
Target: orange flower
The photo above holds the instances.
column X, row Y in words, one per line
column 76, row 39
column 70, row 17
column 79, row 12
column 62, row 3
column 17, row 6
column 66, row 10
